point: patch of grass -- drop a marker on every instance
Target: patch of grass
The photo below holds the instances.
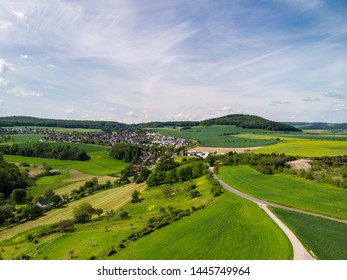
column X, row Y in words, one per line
column 231, row 228
column 325, row 238
column 26, row 138
column 287, row 190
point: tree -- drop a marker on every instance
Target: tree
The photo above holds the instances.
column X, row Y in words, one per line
column 184, row 173
column 18, row 196
column 55, row 200
column 98, row 211
column 66, row 225
column 135, row 197
column 123, row 214
column 31, row 212
column 83, row 213
column 49, row 193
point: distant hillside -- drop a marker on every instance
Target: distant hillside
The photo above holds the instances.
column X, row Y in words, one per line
column 31, row 121
column 243, row 121
column 249, row 121
column 318, row 125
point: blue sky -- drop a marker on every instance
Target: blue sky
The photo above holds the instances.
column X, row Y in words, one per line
column 138, row 61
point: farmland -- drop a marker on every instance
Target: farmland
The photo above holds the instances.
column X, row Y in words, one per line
column 107, row 200
column 213, row 223
column 213, row 136
column 292, row 143
column 326, row 239
column 287, row 190
column 226, row 222
column 226, row 218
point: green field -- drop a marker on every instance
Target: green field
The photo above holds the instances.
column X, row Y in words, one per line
column 212, row 136
column 325, row 238
column 222, row 231
column 308, row 148
column 226, row 219
column 100, row 164
column 107, row 200
column 287, row 190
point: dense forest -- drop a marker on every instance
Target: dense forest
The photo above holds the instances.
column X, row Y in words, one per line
column 44, row 150
column 31, row 121
column 126, row 152
column 249, row 121
column 244, row 121
column 10, row 178
column 318, row 125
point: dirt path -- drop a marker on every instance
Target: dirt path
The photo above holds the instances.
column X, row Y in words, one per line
column 300, row 253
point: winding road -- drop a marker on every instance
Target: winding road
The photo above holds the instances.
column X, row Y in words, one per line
column 300, row 253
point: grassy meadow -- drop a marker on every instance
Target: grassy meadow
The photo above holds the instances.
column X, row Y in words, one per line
column 325, row 238
column 226, row 219
column 287, row 190
column 221, row 231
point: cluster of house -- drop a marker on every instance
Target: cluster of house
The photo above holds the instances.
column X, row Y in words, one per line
column 165, row 141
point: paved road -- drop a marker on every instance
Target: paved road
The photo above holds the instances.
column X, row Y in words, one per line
column 299, row 250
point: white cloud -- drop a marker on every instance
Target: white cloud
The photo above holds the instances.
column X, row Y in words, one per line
column 131, row 114
column 183, row 117
column 5, row 25
column 227, row 109
column 69, row 110
column 2, row 103
column 3, row 82
column 21, row 92
column 339, row 107
column 4, row 66
column 25, row 56
column 19, row 15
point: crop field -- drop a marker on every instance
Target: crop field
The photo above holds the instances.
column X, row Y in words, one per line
column 287, row 190
column 308, row 148
column 326, row 239
column 100, row 164
column 221, row 231
column 107, row 200
column 212, row 136
column 292, row 143
column 227, row 219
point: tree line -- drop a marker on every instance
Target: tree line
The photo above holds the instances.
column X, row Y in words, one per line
column 44, row 150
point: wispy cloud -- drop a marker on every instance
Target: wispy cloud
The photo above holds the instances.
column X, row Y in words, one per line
column 336, row 95
column 310, row 99
column 339, row 107
column 19, row 15
column 21, row 92
column 176, row 59
column 69, row 110
column 5, row 25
